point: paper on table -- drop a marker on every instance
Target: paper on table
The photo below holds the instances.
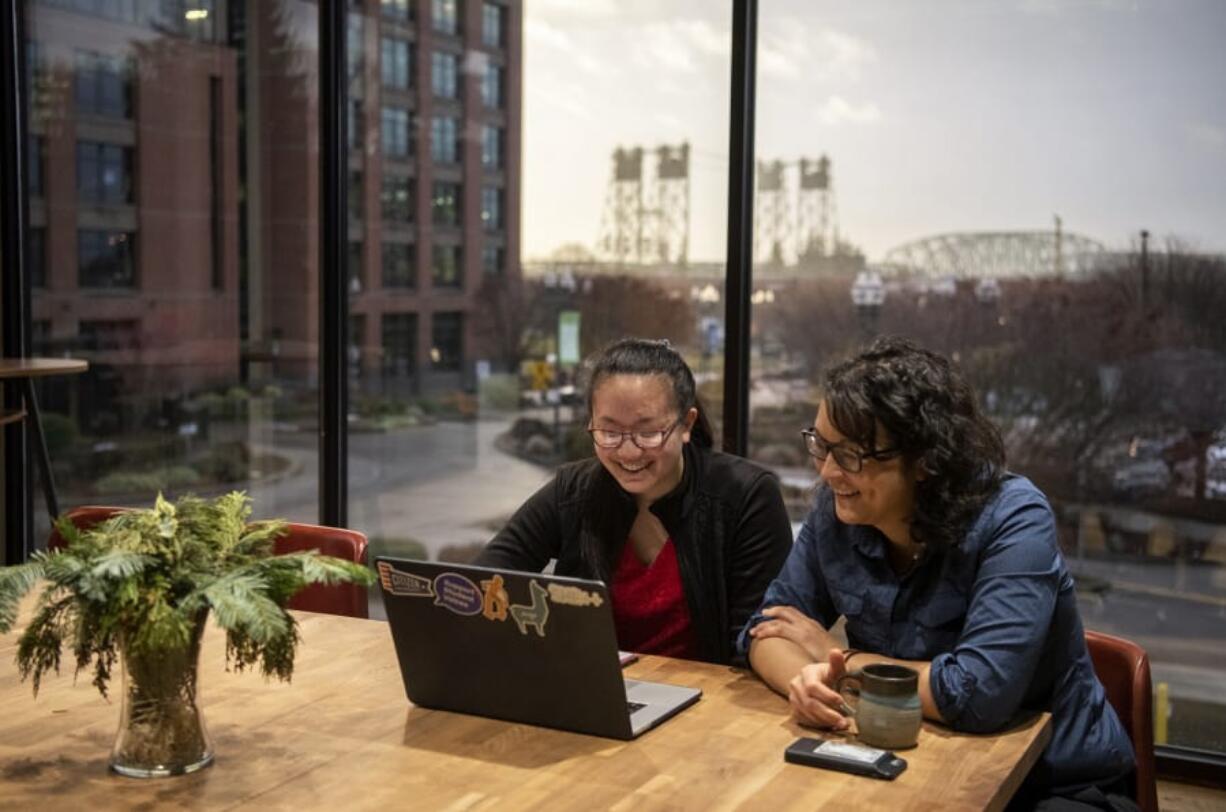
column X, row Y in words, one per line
column 626, row 657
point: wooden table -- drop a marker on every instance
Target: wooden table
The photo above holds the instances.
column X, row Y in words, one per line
column 26, row 370
column 342, row 736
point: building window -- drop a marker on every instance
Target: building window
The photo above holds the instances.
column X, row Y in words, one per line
column 356, row 195
column 447, row 271
column 491, row 86
column 443, row 71
column 492, row 146
column 397, row 10
column 356, row 266
column 37, row 163
column 106, row 259
column 492, row 25
column 447, row 342
column 104, row 85
column 397, row 138
column 108, row 334
column 491, row 208
column 445, row 203
column 493, row 260
column 36, row 257
column 399, row 344
column 104, row 173
column 396, row 199
column 445, row 16
column 395, row 63
column 444, row 145
column 398, row 270
column 354, row 51
column 355, row 126
column 357, row 337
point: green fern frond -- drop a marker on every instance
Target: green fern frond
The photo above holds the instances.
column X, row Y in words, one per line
column 119, row 564
column 239, row 602
column 15, row 582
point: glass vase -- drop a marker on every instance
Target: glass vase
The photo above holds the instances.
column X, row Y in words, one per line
column 161, row 732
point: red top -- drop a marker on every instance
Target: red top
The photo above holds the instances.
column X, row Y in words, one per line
column 649, row 607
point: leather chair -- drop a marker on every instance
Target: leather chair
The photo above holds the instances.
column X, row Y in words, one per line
column 333, row 599
column 1123, row 668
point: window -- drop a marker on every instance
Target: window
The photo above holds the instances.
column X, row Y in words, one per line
column 104, row 85
column 493, row 260
column 398, row 10
column 445, row 16
column 395, row 63
column 108, row 334
column 355, row 125
column 399, row 344
column 447, row 270
column 353, row 52
column 447, row 342
column 37, row 165
column 491, row 208
column 357, row 195
column 444, row 147
column 104, row 173
column 491, row 86
column 356, row 266
column 492, row 25
column 106, row 259
column 398, row 270
column 36, row 256
column 492, row 146
column 397, row 137
column 446, row 203
column 357, row 338
column 443, row 71
column 396, row 200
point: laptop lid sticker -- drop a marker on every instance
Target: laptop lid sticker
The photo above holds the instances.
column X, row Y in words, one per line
column 574, row 595
column 496, row 600
column 404, row 583
column 534, row 615
column 455, row 592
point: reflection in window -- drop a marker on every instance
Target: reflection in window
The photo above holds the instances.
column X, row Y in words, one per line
column 396, row 200
column 491, row 208
column 106, row 259
column 491, row 146
column 493, row 260
column 445, row 203
column 37, row 163
column 397, row 10
column 399, row 341
column 357, row 337
column 447, row 272
column 395, row 60
column 356, row 195
column 443, row 146
column 355, row 126
column 447, row 342
column 492, row 25
column 36, row 256
column 104, row 85
column 397, row 139
column 444, row 68
column 104, row 173
column 354, row 52
column 108, row 334
column 491, row 86
column 445, row 16
column 356, row 266
column 398, row 265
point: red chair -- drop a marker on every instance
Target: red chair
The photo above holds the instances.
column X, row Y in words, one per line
column 334, row 599
column 1123, row 668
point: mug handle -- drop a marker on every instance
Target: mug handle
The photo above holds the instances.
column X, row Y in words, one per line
column 858, row 678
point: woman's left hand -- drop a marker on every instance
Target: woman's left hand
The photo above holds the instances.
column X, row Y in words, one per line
column 790, row 623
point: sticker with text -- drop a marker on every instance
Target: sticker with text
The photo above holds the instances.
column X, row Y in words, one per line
column 574, row 595
column 403, row 583
column 534, row 615
column 496, row 600
column 455, row 592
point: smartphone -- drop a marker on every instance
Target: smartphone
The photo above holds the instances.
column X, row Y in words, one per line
column 846, row 757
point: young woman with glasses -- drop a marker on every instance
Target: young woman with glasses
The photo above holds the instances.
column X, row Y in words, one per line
column 687, row 538
column 940, row 560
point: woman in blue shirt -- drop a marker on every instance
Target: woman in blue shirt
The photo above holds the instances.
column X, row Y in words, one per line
column 940, row 560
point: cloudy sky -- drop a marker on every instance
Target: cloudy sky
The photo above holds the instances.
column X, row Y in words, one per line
column 945, row 115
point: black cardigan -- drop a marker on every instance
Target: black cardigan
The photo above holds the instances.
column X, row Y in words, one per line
column 726, row 519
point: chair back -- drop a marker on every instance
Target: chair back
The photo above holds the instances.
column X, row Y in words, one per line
column 333, row 599
column 1123, row 668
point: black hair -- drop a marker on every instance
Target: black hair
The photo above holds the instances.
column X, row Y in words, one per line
column 932, row 416
column 642, row 356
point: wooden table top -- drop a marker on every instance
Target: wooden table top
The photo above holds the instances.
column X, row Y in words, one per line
column 40, row 367
column 343, row 736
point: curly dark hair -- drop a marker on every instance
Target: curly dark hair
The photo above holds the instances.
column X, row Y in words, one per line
column 932, row 416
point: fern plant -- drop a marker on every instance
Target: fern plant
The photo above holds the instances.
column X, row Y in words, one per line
column 142, row 582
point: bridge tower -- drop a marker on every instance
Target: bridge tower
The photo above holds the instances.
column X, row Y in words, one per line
column 670, row 205
column 817, row 225
column 623, row 222
column 772, row 218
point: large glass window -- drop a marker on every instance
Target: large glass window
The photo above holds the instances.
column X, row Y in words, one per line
column 398, row 200
column 398, row 270
column 492, row 25
column 396, row 63
column 399, row 344
column 103, row 85
column 36, row 256
column 396, row 10
column 104, row 173
column 446, row 203
column 447, row 342
column 492, row 86
column 37, row 161
column 106, row 259
column 447, row 271
column 444, row 146
column 491, row 208
column 445, row 16
column 397, row 136
column 444, row 68
column 492, row 150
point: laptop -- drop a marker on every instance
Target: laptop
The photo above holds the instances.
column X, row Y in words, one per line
column 520, row 646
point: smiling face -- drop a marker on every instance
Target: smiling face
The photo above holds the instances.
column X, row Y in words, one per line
column 641, row 403
column 881, row 494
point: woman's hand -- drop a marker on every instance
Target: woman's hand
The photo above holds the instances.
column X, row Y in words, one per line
column 812, row 695
column 790, row 623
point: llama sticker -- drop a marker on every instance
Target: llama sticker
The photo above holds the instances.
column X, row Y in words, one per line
column 534, row 615
column 495, row 599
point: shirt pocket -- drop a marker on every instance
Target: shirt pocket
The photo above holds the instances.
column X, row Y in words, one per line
column 939, row 622
column 864, row 630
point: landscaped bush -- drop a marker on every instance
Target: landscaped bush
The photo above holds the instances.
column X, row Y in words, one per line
column 172, row 478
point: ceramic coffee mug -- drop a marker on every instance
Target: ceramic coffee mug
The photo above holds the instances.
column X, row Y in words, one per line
column 888, row 711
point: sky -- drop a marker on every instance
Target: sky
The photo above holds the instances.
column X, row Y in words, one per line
column 938, row 116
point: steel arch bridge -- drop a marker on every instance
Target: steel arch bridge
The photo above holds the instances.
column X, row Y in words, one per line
column 997, row 254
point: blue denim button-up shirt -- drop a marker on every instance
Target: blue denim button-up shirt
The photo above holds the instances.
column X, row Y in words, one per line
column 997, row 617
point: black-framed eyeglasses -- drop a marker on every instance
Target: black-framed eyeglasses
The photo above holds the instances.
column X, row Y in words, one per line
column 646, row 440
column 848, row 459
